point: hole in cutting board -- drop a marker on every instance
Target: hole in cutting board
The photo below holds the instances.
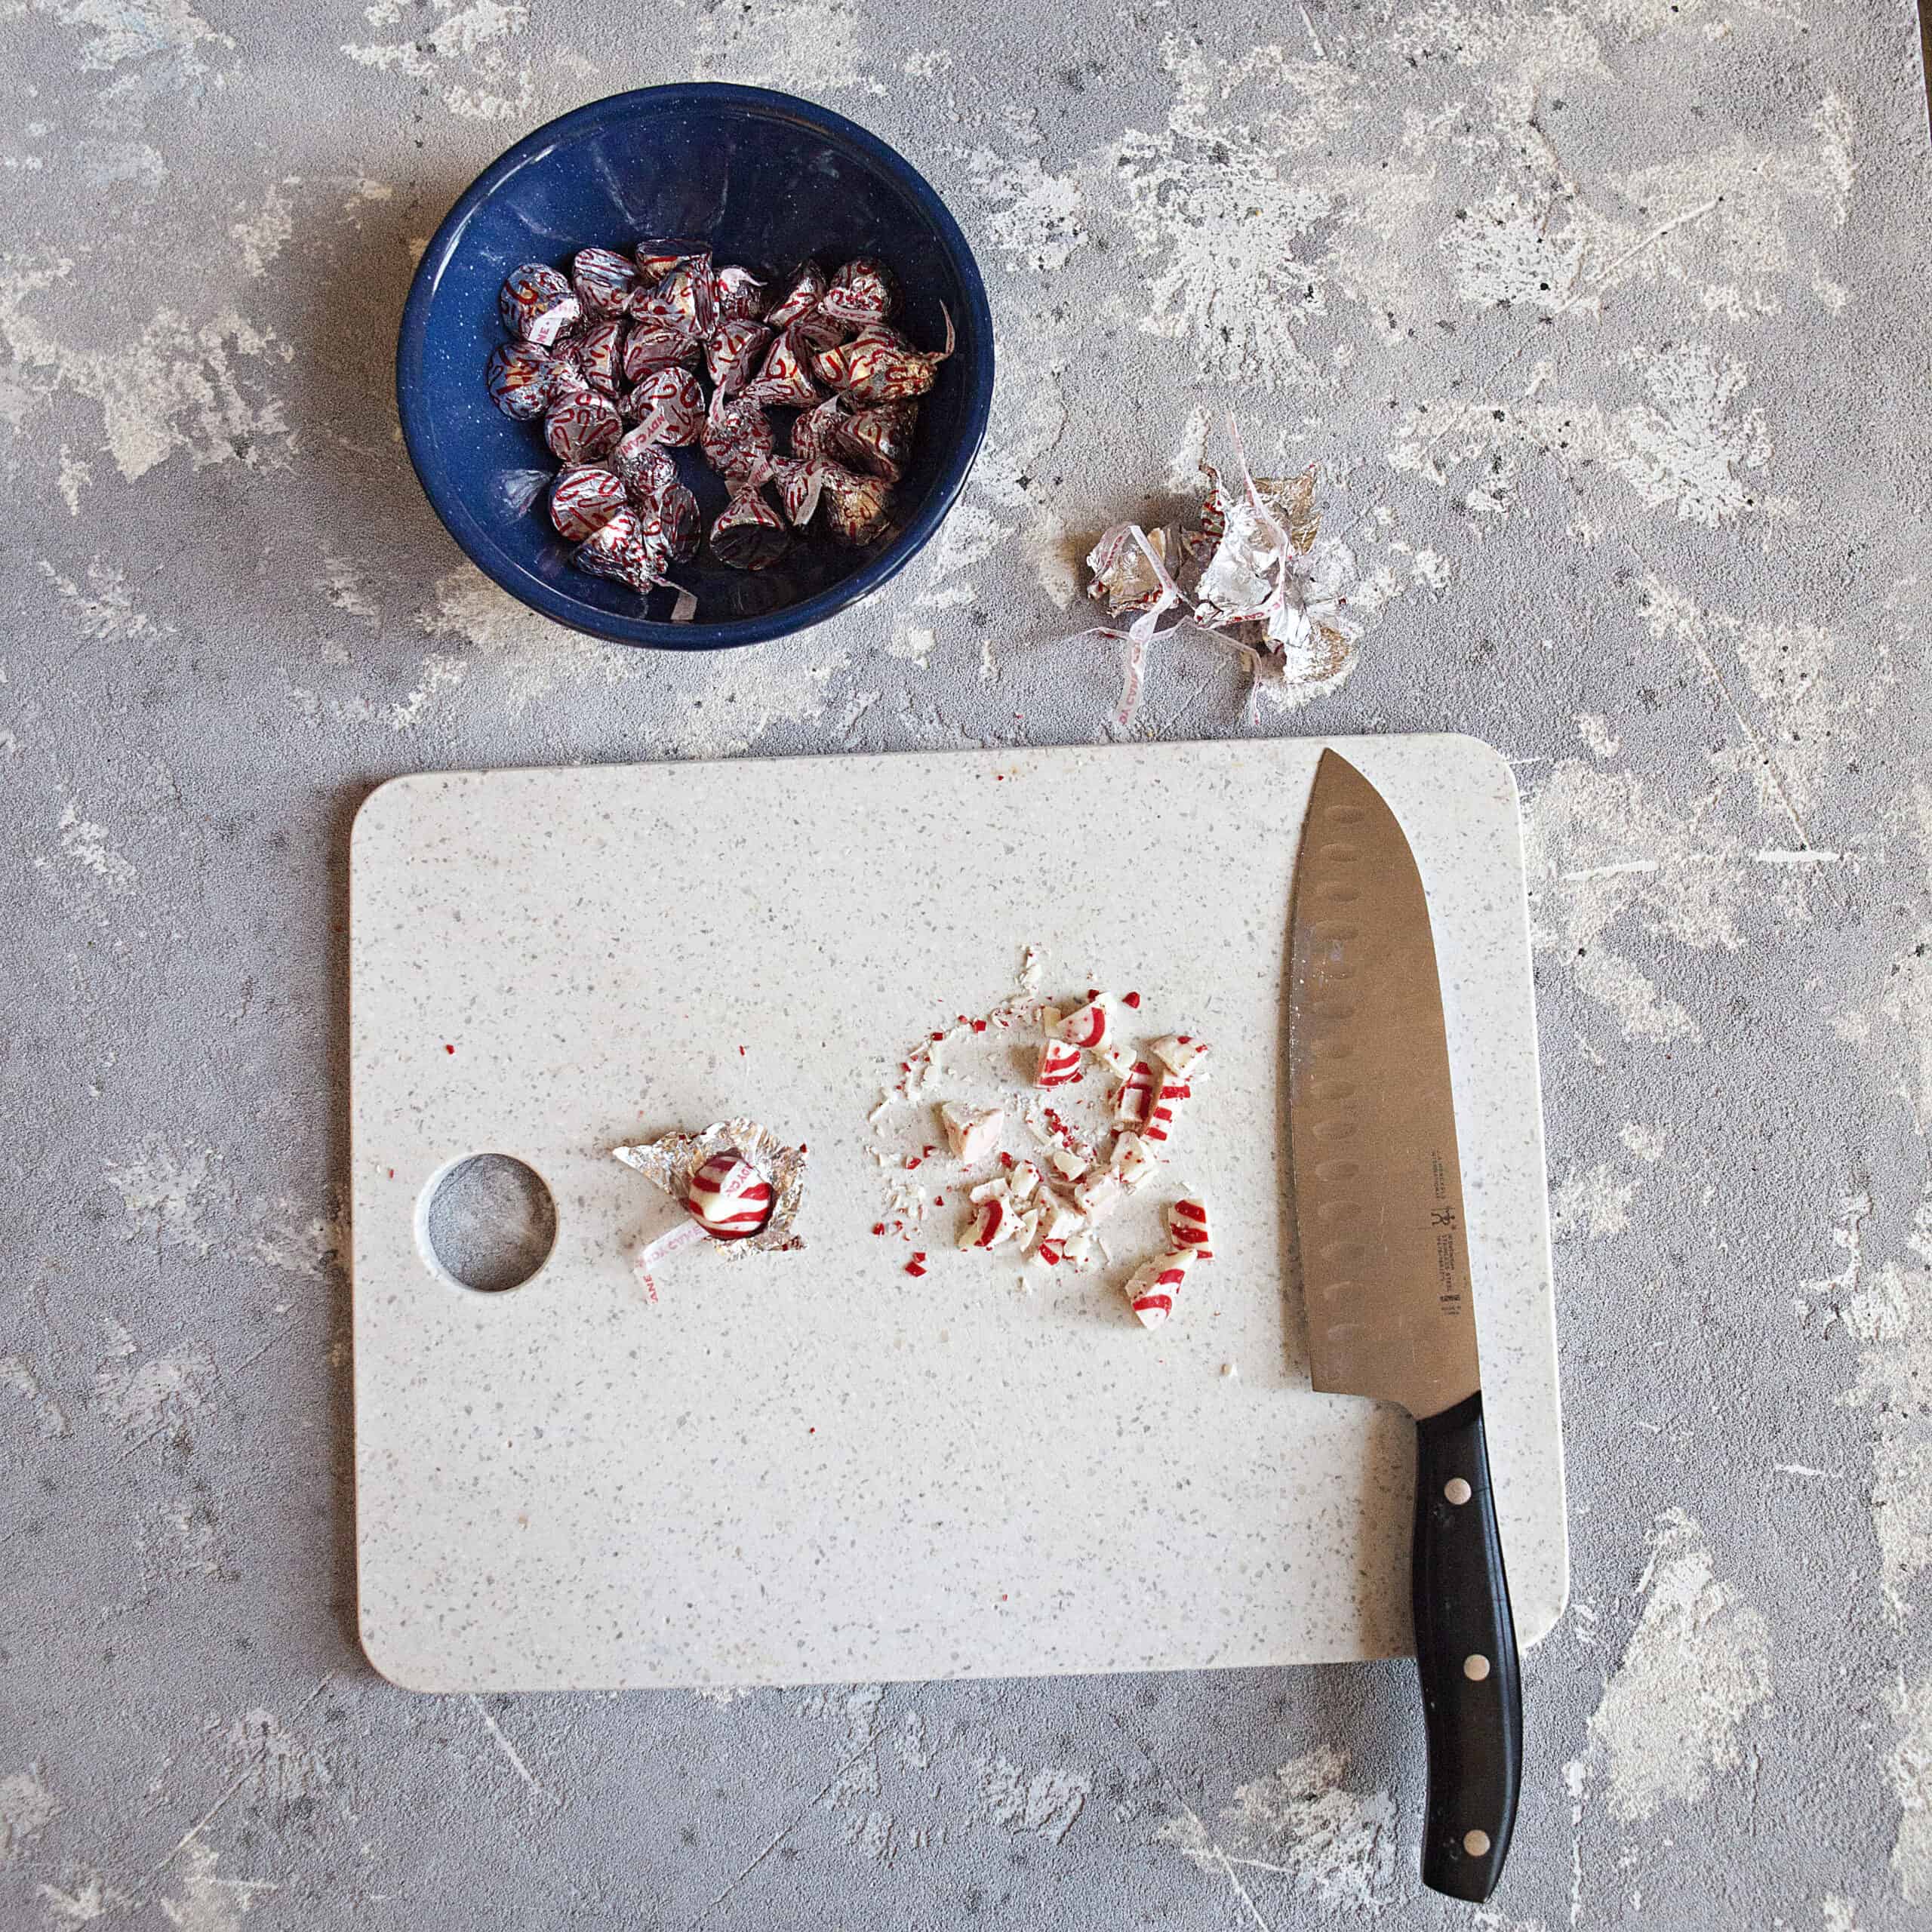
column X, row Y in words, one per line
column 489, row 1223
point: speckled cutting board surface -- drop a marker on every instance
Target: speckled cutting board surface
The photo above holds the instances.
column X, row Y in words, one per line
column 814, row 1467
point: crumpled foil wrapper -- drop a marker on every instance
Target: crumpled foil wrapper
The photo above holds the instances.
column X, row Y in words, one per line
column 672, row 1160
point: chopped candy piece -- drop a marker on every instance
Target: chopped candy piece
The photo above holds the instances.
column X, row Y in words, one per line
column 729, row 1198
column 1135, row 1101
column 1062, row 1222
column 1025, row 1182
column 998, row 1189
column 1060, row 1064
column 1117, row 1060
column 972, row 1133
column 1169, row 1098
column 1100, row 1194
column 1089, row 1026
column 1131, row 1161
column 1155, row 1285
column 1187, row 1227
column 993, row 1222
column 1180, row 1054
column 1078, row 1252
column 1067, row 1165
column 1027, row 1227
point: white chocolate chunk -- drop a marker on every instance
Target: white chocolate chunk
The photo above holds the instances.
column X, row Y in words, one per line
column 1131, row 1162
column 1088, row 1026
column 1180, row 1054
column 971, row 1132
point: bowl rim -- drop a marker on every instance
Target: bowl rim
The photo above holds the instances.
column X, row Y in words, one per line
column 473, row 538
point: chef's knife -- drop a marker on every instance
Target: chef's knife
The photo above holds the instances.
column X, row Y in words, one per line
column 1385, row 1264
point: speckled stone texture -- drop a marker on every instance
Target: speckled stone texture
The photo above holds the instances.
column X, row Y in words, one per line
column 1605, row 321
column 795, row 1468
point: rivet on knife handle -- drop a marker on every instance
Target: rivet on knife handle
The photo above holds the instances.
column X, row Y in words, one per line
column 1466, row 1655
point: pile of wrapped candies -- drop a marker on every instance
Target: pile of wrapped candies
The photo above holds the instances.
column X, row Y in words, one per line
column 615, row 359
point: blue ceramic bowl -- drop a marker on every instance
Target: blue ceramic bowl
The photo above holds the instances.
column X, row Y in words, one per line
column 769, row 180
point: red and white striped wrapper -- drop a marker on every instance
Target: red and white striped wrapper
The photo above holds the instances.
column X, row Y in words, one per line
column 1169, row 1098
column 1155, row 1286
column 1180, row 1054
column 1088, row 1026
column 1060, row 1064
column 729, row 1198
column 1187, row 1227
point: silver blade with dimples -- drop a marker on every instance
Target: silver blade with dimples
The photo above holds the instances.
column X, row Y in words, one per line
column 1378, row 1188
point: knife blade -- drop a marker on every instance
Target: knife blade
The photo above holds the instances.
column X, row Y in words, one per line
column 1385, row 1264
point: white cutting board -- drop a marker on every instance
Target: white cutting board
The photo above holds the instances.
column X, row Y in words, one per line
column 813, row 1467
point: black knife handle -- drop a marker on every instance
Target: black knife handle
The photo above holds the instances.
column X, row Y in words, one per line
column 1466, row 1655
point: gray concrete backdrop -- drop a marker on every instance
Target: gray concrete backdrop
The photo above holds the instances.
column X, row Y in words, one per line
column 1606, row 321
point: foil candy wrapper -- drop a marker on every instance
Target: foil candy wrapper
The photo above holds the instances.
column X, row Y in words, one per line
column 598, row 355
column 538, row 305
column 651, row 346
column 732, row 349
column 736, row 437
column 583, row 427
column 1251, row 573
column 603, row 280
column 857, row 508
column 880, row 438
column 862, row 291
column 738, row 296
column 808, row 284
column 520, row 378
column 878, row 365
column 749, row 534
column 683, row 299
column 668, row 405
column 785, row 382
column 644, row 466
column 585, row 497
column 819, row 432
column 800, row 483
column 672, row 1162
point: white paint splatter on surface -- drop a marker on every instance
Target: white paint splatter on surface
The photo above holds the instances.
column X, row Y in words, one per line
column 1697, row 1665
column 27, row 1807
column 1909, row 1769
column 166, row 1194
column 1889, row 1310
column 468, row 54
column 1046, row 1802
column 808, row 46
column 154, row 1395
column 179, row 384
column 1591, row 1205
column 49, row 1419
column 1337, row 1847
column 204, row 1902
